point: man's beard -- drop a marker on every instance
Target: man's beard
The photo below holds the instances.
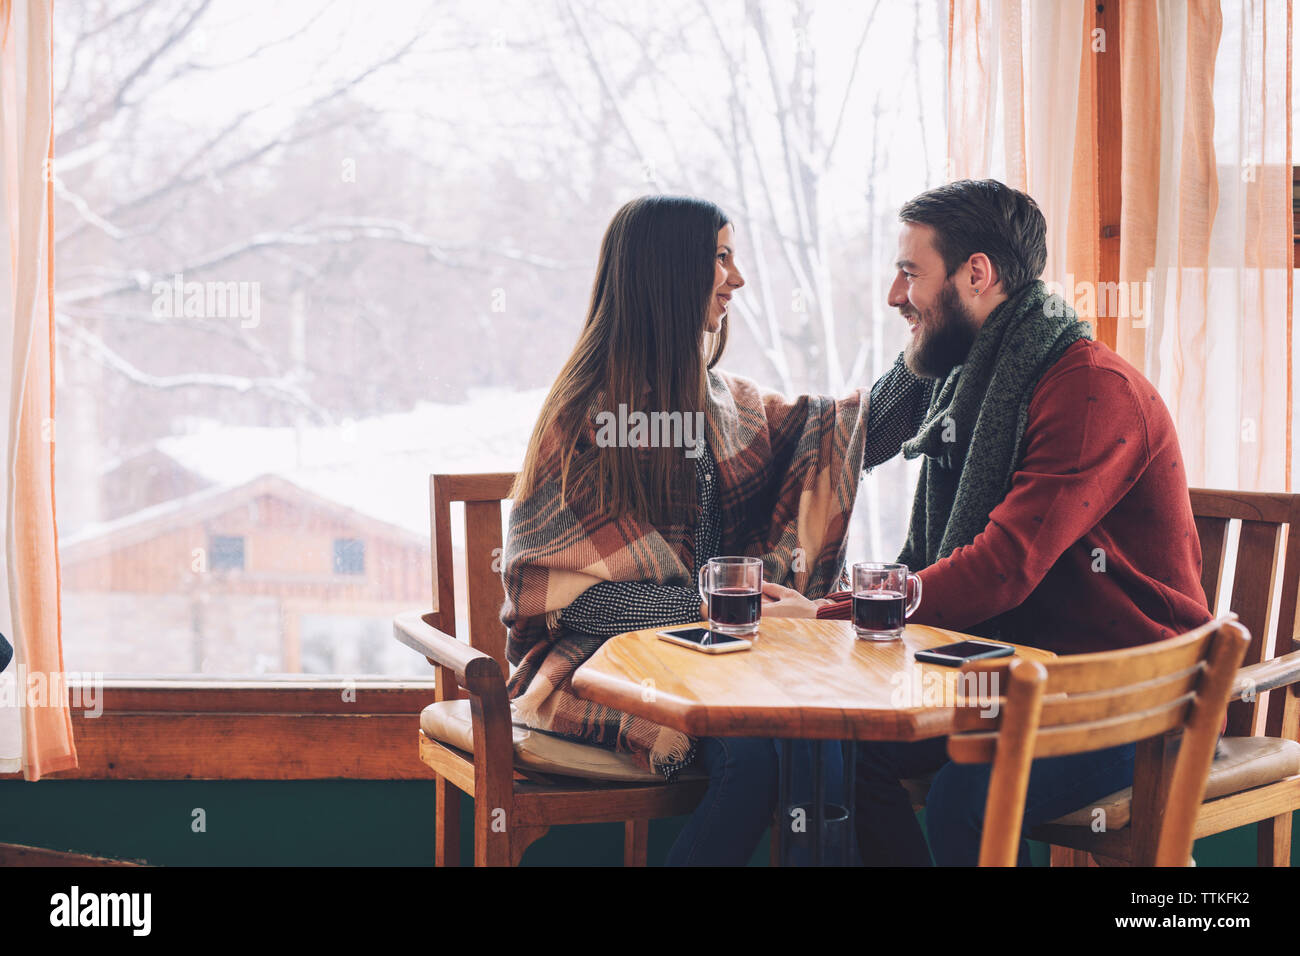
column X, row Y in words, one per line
column 944, row 337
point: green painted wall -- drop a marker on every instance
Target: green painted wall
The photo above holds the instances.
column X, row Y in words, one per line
column 328, row 823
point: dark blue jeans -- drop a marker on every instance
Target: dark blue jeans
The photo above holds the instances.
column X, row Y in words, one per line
column 801, row 794
column 890, row 835
column 740, row 800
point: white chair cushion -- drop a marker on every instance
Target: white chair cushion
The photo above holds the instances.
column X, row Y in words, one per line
column 450, row 723
column 1240, row 763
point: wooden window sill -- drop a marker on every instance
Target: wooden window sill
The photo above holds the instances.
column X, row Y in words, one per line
column 168, row 728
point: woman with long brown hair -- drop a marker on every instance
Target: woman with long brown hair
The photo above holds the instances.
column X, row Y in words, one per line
column 610, row 526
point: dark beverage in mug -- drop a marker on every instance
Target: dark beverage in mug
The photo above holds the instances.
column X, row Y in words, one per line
column 734, row 607
column 879, row 610
column 732, row 589
column 880, row 604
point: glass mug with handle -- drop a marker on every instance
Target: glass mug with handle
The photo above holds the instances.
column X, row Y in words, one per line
column 732, row 588
column 880, row 605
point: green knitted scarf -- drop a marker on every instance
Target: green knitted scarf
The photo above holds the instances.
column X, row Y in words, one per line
column 973, row 434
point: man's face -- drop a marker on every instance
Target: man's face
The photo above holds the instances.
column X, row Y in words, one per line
column 942, row 328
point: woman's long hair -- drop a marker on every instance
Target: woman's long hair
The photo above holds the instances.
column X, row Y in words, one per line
column 642, row 346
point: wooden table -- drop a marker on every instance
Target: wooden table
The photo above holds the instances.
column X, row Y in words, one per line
column 803, row 679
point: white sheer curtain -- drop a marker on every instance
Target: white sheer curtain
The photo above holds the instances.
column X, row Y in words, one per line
column 35, row 725
column 1219, row 340
column 1013, row 86
column 1205, row 229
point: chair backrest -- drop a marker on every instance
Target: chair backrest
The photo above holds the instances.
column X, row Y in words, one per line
column 482, row 496
column 1265, row 584
column 1087, row 702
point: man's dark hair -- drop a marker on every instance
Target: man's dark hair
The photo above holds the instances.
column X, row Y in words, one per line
column 984, row 215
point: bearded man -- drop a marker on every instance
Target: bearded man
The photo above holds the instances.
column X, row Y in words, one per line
column 1052, row 508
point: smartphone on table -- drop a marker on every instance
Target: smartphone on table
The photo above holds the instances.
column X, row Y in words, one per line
column 954, row 655
column 704, row 640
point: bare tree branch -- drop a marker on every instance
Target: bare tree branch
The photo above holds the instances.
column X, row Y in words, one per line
column 276, row 388
column 336, row 231
column 615, row 100
column 118, row 97
column 180, row 181
column 848, row 87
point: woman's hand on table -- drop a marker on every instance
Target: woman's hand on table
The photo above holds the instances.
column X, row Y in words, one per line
column 787, row 602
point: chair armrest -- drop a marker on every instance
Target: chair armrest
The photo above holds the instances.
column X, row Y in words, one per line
column 1268, row 675
column 480, row 674
column 473, row 668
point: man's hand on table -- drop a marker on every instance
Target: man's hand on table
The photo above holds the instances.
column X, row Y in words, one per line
column 787, row 602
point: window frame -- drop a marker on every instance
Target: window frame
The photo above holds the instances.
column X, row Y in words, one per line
column 168, row 728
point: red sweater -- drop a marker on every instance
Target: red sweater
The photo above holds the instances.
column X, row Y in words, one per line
column 1094, row 547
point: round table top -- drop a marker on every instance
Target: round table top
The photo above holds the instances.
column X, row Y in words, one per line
column 802, row 678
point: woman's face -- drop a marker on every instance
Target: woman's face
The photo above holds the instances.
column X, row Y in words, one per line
column 726, row 279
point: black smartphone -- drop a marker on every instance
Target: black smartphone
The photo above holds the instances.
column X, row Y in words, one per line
column 702, row 639
column 954, row 655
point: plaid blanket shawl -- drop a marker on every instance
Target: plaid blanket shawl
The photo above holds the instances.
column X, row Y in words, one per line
column 787, row 481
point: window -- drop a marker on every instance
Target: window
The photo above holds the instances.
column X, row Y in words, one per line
column 349, row 556
column 226, row 553
column 309, row 258
column 338, row 645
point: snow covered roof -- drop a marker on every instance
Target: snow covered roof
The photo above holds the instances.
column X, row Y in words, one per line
column 377, row 466
column 101, row 538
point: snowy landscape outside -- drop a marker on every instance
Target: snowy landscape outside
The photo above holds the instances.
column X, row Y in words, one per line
column 309, row 253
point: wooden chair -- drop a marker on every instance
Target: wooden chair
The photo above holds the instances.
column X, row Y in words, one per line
column 1256, row 774
column 522, row 783
column 1088, row 702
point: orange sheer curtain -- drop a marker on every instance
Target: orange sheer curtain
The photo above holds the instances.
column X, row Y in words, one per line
column 1140, row 163
column 44, row 727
